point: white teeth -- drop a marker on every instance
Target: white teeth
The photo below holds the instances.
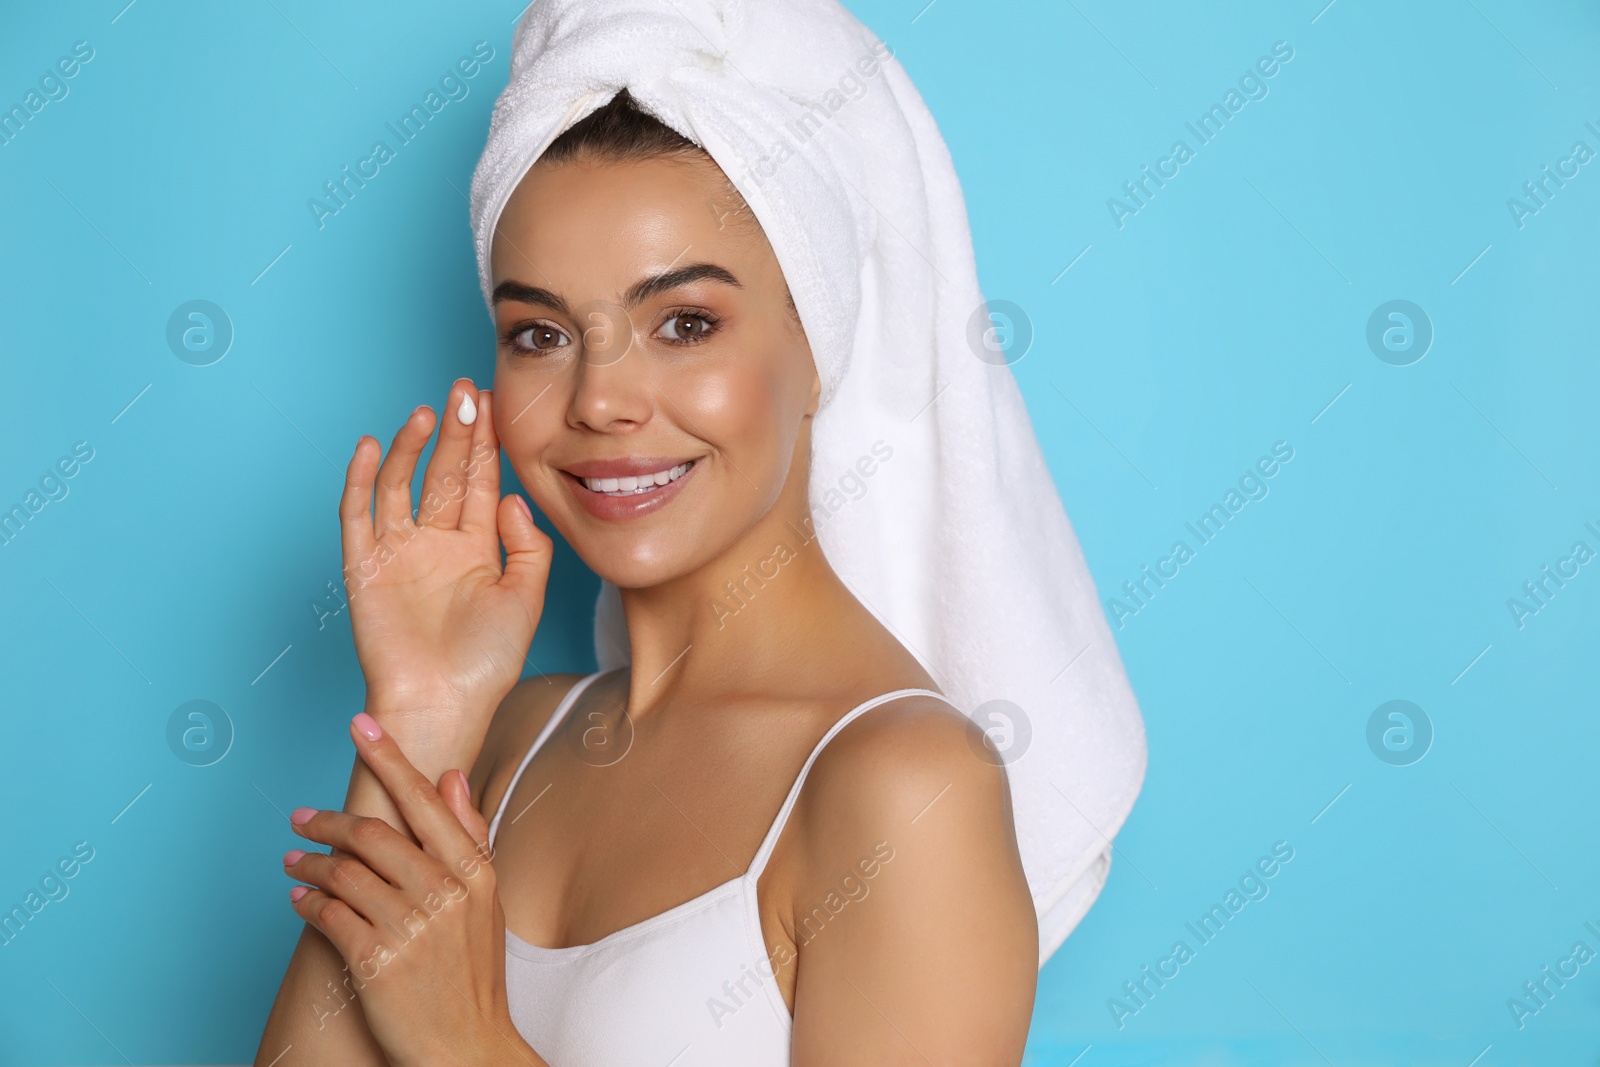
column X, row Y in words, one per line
column 642, row 483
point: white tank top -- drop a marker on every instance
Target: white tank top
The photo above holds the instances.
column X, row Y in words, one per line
column 690, row 987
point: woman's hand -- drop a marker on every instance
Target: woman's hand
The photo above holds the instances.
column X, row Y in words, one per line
column 421, row 929
column 440, row 628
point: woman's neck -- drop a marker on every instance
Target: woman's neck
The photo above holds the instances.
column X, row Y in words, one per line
column 760, row 613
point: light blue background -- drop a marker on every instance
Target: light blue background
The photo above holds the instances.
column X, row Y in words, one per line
column 1229, row 313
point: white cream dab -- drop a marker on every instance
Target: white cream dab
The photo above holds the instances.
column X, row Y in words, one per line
column 468, row 411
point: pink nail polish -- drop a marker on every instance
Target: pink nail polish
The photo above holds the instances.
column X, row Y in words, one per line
column 297, row 892
column 301, row 816
column 367, row 726
column 293, row 856
column 523, row 503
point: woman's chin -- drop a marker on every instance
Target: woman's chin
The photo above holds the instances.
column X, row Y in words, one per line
column 638, row 568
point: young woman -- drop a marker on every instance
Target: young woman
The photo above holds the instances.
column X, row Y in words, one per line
column 745, row 369
column 697, row 816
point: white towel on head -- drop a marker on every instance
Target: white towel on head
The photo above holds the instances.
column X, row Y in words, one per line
column 957, row 541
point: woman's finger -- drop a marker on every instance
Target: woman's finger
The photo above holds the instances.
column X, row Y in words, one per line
column 394, row 476
column 385, row 850
column 529, row 552
column 457, row 794
column 444, row 485
column 355, row 504
column 347, row 878
column 483, row 471
column 353, row 936
column 424, row 810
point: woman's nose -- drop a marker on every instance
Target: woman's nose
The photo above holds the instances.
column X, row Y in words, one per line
column 611, row 383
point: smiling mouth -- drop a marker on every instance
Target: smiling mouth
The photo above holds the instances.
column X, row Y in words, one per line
column 635, row 485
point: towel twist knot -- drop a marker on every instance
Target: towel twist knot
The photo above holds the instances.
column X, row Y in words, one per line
column 634, row 44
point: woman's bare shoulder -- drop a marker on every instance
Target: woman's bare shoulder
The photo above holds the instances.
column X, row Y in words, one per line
column 912, row 771
column 907, row 847
column 516, row 723
column 912, row 751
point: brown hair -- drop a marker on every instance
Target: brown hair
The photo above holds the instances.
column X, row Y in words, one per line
column 621, row 131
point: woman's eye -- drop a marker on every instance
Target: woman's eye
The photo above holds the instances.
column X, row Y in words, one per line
column 539, row 338
column 685, row 328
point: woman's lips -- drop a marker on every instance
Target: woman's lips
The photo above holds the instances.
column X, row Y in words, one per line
column 627, row 505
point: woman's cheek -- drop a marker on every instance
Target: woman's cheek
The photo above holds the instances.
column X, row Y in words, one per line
column 526, row 438
column 738, row 410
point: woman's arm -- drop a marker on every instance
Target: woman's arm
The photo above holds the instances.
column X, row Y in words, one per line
column 304, row 1000
column 419, row 921
column 441, row 629
column 935, row 958
column 317, row 1017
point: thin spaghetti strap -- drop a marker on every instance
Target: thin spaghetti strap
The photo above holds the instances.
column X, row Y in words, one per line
column 549, row 727
column 770, row 842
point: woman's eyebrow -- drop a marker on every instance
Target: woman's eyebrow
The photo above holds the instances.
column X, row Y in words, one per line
column 529, row 294
column 644, row 289
column 637, row 293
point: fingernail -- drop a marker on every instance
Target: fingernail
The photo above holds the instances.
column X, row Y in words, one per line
column 293, row 856
column 301, row 816
column 466, row 786
column 468, row 411
column 367, row 726
column 297, row 892
column 523, row 503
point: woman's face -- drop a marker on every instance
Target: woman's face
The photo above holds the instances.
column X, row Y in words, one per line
column 644, row 335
